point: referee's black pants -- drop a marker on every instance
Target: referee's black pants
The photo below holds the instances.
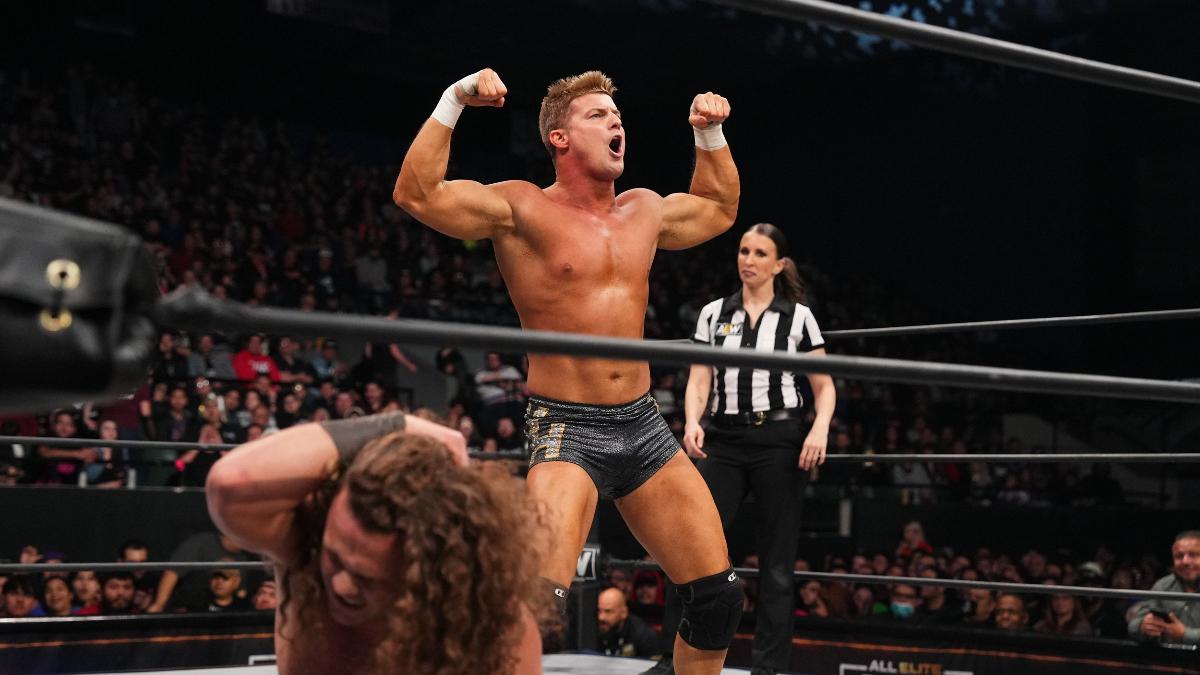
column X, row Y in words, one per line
column 764, row 460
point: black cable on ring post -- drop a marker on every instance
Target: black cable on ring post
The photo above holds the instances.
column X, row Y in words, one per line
column 973, row 46
column 196, row 310
column 168, row 445
column 1035, row 589
column 1009, row 324
column 1024, row 458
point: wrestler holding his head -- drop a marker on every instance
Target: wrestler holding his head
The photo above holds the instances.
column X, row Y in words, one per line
column 391, row 554
column 576, row 257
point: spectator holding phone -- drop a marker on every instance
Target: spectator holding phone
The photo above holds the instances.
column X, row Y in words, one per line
column 1173, row 621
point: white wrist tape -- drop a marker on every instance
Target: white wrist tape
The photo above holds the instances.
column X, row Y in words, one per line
column 711, row 138
column 449, row 107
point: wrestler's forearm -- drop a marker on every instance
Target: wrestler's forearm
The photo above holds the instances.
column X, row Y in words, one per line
column 253, row 491
column 424, row 166
column 716, row 179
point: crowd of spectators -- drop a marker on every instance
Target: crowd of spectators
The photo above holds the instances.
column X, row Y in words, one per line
column 119, row 593
column 272, row 214
column 937, row 607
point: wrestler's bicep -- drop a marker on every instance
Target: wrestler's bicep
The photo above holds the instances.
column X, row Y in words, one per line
column 465, row 209
column 689, row 220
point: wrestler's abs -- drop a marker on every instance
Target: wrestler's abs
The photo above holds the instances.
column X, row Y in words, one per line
column 583, row 277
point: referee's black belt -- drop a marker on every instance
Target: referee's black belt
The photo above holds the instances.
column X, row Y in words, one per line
column 755, row 419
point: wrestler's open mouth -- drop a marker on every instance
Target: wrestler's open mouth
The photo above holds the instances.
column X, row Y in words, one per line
column 347, row 603
column 615, row 144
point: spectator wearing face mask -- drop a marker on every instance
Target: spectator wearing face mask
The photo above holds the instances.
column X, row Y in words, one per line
column 903, row 602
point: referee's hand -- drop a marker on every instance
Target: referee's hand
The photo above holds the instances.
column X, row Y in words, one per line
column 813, row 453
column 693, row 440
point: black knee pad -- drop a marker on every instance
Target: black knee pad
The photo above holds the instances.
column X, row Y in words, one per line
column 712, row 609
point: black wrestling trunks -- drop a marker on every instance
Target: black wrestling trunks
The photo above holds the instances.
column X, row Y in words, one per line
column 619, row 446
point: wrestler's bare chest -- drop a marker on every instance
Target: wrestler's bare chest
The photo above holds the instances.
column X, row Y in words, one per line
column 558, row 249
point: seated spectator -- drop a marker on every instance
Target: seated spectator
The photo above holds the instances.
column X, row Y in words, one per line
column 326, row 363
column 1173, row 621
column 935, row 609
column 904, row 602
column 978, row 609
column 211, row 360
column 1010, row 613
column 116, row 594
column 811, row 603
column 20, row 598
column 466, row 426
column 62, row 465
column 211, row 414
column 345, row 407
column 865, row 604
column 622, row 580
column 289, row 412
column 86, row 589
column 225, row 592
column 110, row 468
column 375, row 398
column 251, row 402
column 144, row 582
column 507, row 437
column 498, row 386
column 265, row 598
column 293, row 369
column 56, row 597
column 178, row 422
column 252, row 361
column 621, row 633
column 647, row 591
column 913, row 541
column 1063, row 615
column 169, row 364
column 263, row 418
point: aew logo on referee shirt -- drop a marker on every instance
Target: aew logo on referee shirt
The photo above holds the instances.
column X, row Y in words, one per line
column 727, row 329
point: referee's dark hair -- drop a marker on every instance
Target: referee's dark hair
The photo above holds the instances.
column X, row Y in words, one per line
column 788, row 283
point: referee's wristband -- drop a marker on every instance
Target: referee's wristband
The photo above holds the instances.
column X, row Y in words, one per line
column 352, row 435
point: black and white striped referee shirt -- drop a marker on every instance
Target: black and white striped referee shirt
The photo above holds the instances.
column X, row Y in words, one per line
column 783, row 327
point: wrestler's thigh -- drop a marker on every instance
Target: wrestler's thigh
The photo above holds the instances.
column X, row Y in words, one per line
column 568, row 495
column 674, row 517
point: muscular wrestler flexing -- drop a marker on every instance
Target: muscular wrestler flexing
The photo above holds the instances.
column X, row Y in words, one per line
column 576, row 257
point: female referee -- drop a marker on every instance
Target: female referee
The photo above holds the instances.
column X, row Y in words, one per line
column 755, row 439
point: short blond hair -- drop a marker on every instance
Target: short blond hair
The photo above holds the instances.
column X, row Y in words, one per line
column 559, row 96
